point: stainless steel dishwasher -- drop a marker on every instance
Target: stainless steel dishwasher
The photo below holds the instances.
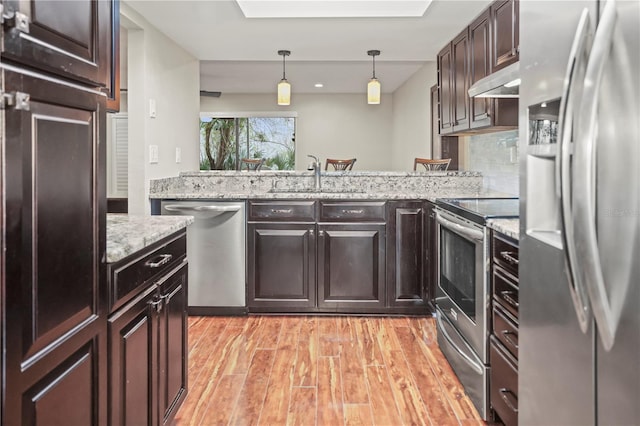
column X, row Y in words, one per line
column 216, row 253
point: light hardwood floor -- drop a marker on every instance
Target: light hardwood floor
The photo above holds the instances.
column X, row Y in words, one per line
column 308, row 370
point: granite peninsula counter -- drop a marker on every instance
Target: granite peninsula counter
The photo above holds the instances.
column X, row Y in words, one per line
column 359, row 185
column 127, row 234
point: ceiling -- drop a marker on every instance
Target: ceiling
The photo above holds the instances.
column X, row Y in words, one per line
column 239, row 55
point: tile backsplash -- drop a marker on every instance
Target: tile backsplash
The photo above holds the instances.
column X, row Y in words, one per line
column 496, row 156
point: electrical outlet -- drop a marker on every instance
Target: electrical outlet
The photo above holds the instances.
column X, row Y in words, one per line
column 178, row 155
column 153, row 154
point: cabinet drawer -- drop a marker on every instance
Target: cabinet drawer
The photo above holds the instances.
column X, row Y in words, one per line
column 504, row 384
column 300, row 211
column 505, row 290
column 506, row 330
column 505, row 254
column 130, row 274
column 370, row 211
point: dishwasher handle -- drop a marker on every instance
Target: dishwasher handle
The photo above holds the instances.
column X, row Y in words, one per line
column 212, row 208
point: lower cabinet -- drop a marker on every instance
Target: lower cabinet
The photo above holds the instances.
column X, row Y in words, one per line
column 503, row 353
column 337, row 256
column 282, row 266
column 407, row 266
column 148, row 339
column 351, row 266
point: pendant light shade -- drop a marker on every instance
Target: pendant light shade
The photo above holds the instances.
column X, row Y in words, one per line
column 284, row 88
column 373, row 88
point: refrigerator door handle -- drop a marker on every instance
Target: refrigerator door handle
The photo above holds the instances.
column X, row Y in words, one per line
column 572, row 90
column 607, row 308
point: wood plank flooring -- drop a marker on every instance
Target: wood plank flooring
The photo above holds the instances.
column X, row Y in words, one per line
column 306, row 370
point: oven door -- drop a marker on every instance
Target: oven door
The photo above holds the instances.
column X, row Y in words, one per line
column 463, row 293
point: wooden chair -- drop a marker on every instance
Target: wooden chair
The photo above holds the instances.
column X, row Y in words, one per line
column 340, row 164
column 251, row 163
column 431, row 165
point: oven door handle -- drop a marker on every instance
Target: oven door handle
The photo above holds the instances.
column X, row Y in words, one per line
column 460, row 229
column 477, row 368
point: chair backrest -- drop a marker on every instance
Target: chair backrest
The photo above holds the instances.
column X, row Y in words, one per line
column 340, row 164
column 430, row 164
column 251, row 163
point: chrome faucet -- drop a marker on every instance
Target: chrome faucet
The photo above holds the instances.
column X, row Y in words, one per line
column 316, row 166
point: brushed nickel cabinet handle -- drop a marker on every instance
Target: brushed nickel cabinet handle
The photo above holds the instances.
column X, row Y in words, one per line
column 158, row 261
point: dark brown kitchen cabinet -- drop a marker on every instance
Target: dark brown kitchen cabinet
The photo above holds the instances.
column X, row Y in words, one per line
column 470, row 57
column 480, row 67
column 53, row 233
column 505, row 17
column 445, row 92
column 282, row 265
column 406, row 255
column 148, row 334
column 112, row 88
column 69, row 38
column 460, row 73
column 431, row 255
column 441, row 146
column 504, row 331
column 173, row 344
column 351, row 266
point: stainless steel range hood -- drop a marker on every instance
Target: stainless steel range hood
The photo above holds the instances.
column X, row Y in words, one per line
column 504, row 83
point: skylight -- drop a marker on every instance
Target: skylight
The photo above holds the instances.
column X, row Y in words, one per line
column 332, row 8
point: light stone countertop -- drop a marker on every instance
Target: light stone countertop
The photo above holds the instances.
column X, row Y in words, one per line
column 298, row 185
column 127, row 234
column 508, row 227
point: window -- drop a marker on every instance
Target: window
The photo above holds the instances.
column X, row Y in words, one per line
column 225, row 141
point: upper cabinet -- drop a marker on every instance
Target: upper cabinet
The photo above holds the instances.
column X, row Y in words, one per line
column 489, row 43
column 480, row 61
column 460, row 72
column 69, row 38
column 506, row 33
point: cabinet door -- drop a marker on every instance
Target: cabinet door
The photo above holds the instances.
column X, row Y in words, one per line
column 405, row 254
column 65, row 37
column 133, row 359
column 351, row 266
column 431, row 258
column 282, row 266
column 445, row 94
column 173, row 343
column 113, row 58
column 460, row 61
column 480, row 61
column 506, row 33
column 54, row 232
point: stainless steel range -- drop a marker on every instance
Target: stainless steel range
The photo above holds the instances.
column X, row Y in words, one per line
column 463, row 293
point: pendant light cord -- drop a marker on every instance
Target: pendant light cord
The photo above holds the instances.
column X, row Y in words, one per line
column 374, row 66
column 283, row 68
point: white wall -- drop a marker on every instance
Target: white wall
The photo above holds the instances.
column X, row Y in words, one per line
column 159, row 69
column 329, row 125
column 412, row 118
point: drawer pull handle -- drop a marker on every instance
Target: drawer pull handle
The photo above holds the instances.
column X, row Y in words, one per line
column 507, row 336
column 156, row 304
column 158, row 261
column 285, row 211
column 352, row 211
column 510, row 257
column 508, row 297
column 503, row 393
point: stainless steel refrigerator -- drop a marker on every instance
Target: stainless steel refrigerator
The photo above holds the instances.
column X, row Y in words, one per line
column 579, row 354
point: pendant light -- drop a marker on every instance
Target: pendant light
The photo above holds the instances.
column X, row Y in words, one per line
column 284, row 88
column 373, row 88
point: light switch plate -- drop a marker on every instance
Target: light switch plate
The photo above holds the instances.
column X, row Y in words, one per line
column 178, row 155
column 153, row 154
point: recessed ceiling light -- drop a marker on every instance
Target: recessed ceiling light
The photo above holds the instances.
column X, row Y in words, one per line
column 332, row 8
column 319, row 85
